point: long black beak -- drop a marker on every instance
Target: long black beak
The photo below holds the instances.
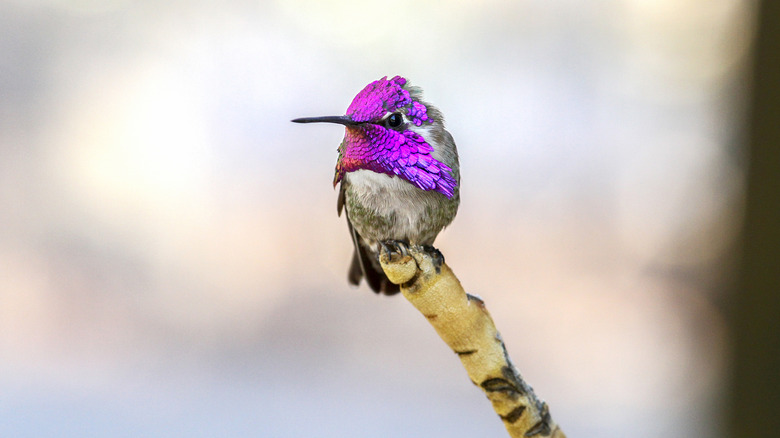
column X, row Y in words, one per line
column 341, row 120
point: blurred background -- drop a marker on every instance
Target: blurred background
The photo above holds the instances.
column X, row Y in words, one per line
column 171, row 261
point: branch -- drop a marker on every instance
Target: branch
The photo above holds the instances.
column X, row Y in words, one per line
column 463, row 322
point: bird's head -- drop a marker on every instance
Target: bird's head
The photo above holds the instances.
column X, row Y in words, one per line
column 390, row 130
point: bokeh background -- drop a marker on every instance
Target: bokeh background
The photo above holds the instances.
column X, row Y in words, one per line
column 171, row 262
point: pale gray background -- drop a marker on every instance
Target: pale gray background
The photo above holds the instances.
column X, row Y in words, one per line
column 171, row 262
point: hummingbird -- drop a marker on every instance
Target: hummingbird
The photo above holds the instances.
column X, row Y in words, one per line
column 398, row 175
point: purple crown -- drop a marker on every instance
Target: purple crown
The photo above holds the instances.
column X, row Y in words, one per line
column 378, row 98
column 374, row 147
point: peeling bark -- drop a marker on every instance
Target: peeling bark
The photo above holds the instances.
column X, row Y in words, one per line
column 463, row 322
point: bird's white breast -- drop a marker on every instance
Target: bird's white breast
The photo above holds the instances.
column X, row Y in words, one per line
column 392, row 208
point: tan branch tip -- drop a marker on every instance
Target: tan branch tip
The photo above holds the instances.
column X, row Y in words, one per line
column 463, row 322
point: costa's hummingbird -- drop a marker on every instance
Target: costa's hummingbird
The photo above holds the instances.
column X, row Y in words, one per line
column 398, row 172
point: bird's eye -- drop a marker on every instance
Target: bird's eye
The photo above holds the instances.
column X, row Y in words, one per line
column 395, row 120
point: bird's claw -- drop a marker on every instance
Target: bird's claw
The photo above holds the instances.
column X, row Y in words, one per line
column 402, row 261
column 396, row 249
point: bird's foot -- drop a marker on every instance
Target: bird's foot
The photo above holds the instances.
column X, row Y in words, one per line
column 436, row 256
column 395, row 249
column 398, row 264
column 403, row 263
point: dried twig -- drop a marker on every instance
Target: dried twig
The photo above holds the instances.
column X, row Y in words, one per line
column 463, row 322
